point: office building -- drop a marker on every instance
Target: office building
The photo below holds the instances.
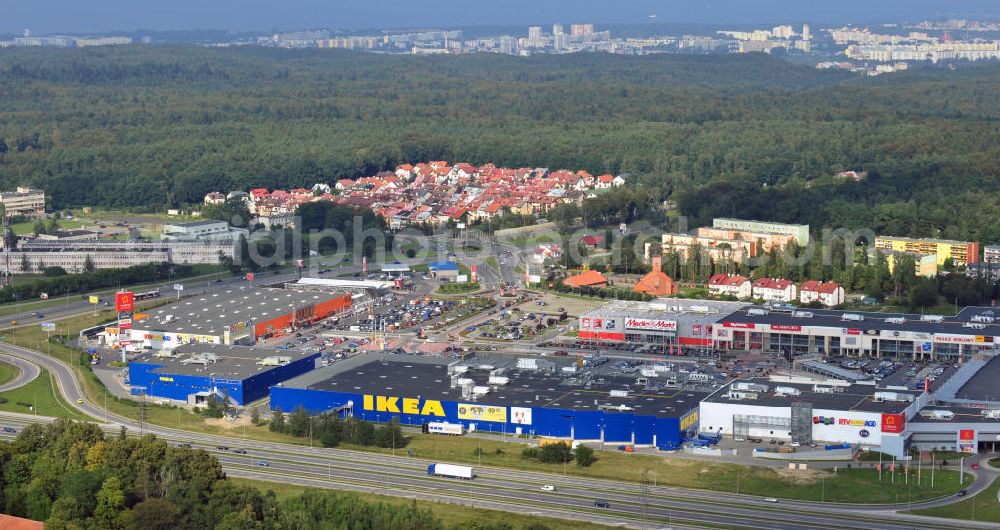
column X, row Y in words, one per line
column 24, row 202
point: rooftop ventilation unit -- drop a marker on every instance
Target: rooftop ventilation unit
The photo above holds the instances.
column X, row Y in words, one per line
column 757, row 312
column 787, row 391
column 895, row 320
column 739, row 396
column 941, row 415
column 618, row 393
column 892, row 396
column 822, row 389
column 983, row 318
column 498, row 380
column 852, row 317
column 700, row 308
column 749, row 387
column 974, row 325
column 802, row 314
column 931, row 318
column 274, row 360
column 993, row 414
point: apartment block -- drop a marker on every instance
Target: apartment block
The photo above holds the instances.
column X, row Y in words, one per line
column 962, row 253
column 27, row 202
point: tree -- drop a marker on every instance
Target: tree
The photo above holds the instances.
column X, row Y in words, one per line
column 254, row 416
column 39, row 228
column 88, row 264
column 110, row 504
column 924, row 294
column 298, row 422
column 555, row 453
column 584, row 456
column 277, row 420
column 153, row 514
column 389, row 435
column 25, row 263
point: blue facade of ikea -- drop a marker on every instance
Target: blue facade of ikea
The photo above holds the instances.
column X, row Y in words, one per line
column 606, row 426
column 241, row 391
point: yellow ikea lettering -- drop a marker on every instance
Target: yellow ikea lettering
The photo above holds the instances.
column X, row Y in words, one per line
column 432, row 408
column 386, row 404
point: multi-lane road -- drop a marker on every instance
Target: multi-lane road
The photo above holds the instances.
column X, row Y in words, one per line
column 631, row 505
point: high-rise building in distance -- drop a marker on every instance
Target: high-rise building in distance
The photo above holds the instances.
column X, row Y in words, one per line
column 557, row 29
column 581, row 30
column 535, row 33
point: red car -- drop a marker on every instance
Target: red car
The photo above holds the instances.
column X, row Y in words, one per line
column 975, row 466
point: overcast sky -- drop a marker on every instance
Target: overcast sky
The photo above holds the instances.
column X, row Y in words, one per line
column 46, row 16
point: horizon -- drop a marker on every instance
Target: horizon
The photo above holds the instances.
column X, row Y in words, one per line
column 107, row 16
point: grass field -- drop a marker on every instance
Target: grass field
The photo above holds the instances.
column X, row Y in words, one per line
column 28, row 227
column 845, row 485
column 7, row 372
column 981, row 507
column 451, row 515
column 41, row 396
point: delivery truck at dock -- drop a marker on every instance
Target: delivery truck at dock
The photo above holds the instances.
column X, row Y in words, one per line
column 451, row 471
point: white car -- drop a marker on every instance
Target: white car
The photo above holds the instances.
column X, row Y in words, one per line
column 548, row 487
column 795, row 444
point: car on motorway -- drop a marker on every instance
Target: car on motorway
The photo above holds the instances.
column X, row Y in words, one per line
column 262, row 463
column 240, row 451
column 602, row 503
column 223, row 448
column 770, row 499
column 548, row 487
column 9, row 430
column 184, row 445
column 80, row 401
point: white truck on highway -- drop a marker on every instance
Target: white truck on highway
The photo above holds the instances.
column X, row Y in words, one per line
column 451, row 471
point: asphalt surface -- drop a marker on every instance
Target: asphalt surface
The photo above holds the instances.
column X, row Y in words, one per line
column 630, row 504
column 27, row 372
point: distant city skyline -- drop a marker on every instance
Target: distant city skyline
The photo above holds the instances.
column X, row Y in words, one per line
column 94, row 16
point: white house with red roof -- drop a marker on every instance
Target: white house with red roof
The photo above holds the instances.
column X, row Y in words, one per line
column 546, row 251
column 732, row 285
column 774, row 289
column 829, row 294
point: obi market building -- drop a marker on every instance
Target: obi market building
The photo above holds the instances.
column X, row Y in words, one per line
column 237, row 315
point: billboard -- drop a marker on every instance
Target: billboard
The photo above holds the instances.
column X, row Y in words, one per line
column 650, row 324
column 48, row 326
column 94, row 299
column 124, row 302
column 893, row 423
column 785, row 327
column 520, row 415
column 477, row 412
column 739, row 325
column 962, row 339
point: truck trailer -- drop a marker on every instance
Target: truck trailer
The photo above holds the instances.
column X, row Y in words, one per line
column 440, row 427
column 451, row 471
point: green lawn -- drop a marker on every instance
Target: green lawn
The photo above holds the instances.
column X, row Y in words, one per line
column 7, row 372
column 41, row 396
column 449, row 514
column 457, row 288
column 846, row 485
column 28, row 227
column 981, row 507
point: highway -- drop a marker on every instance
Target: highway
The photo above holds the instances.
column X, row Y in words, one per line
column 27, row 372
column 511, row 490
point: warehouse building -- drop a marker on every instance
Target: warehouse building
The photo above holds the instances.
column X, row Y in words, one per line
column 527, row 396
column 812, row 411
column 237, row 315
column 192, row 372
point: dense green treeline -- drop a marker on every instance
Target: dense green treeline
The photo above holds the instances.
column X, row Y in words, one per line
column 752, row 136
column 73, row 477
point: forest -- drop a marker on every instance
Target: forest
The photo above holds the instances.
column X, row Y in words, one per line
column 150, row 127
column 74, row 477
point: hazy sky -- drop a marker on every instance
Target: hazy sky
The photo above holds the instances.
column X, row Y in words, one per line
column 104, row 15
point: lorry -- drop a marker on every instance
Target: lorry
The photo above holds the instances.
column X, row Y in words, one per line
column 451, row 471
column 440, row 427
